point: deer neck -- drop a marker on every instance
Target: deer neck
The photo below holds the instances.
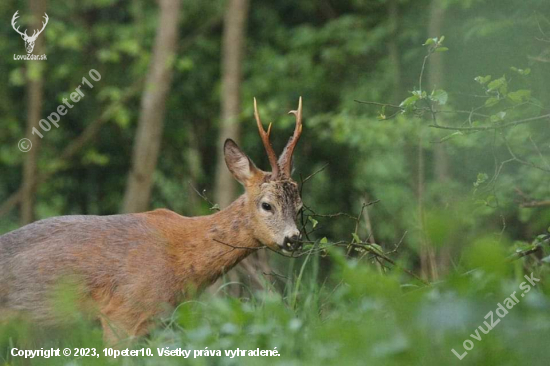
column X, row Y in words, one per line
column 219, row 242
column 232, row 226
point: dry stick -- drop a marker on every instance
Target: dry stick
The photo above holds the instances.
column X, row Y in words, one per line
column 252, row 273
column 302, row 183
column 525, row 253
column 314, row 173
column 521, row 161
column 213, row 206
column 389, row 260
column 379, row 265
column 365, row 246
column 275, row 274
column 539, row 152
column 535, row 203
column 233, row 247
column 528, row 202
column 461, row 111
column 480, row 128
column 368, row 247
column 489, row 128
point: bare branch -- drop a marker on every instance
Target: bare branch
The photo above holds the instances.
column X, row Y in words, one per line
column 495, row 127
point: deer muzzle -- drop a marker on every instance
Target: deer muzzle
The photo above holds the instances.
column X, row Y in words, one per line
column 292, row 243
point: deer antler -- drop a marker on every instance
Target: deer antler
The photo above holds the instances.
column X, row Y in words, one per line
column 285, row 161
column 35, row 34
column 13, row 19
column 267, row 144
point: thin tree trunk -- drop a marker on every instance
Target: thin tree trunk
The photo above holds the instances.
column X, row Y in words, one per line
column 232, row 55
column 151, row 118
column 436, row 79
column 234, row 36
column 393, row 50
column 436, row 75
column 35, row 95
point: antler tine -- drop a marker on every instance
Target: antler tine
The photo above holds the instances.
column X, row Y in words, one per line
column 43, row 25
column 13, row 19
column 267, row 144
column 285, row 161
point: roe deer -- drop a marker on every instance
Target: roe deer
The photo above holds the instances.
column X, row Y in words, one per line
column 131, row 266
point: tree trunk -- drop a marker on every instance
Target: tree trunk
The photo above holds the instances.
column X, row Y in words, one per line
column 430, row 265
column 151, row 118
column 35, row 95
column 435, row 76
column 393, row 51
column 232, row 55
column 436, row 79
column 234, row 36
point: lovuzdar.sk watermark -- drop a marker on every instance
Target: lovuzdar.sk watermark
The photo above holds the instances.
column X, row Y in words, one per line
column 29, row 40
column 501, row 311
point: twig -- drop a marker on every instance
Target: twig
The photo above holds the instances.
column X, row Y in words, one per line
column 496, row 127
column 239, row 247
column 314, row 173
column 213, row 206
column 460, row 111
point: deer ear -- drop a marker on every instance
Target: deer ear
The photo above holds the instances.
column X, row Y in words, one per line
column 240, row 165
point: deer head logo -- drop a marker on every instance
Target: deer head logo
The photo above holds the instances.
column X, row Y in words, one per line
column 29, row 40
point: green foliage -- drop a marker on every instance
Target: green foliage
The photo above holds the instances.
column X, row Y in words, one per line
column 358, row 316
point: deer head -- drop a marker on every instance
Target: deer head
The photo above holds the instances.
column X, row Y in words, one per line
column 273, row 198
column 29, row 40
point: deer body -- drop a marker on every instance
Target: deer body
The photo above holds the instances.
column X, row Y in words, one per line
column 133, row 267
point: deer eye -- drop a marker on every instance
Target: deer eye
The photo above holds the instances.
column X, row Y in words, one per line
column 266, row 206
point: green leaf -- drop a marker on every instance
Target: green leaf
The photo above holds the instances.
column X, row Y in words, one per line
column 498, row 117
column 430, row 41
column 93, row 157
column 523, row 72
column 410, row 102
column 323, row 241
column 491, row 102
column 496, row 84
column 313, row 221
column 481, row 178
column 441, row 49
column 382, row 115
column 440, row 96
column 519, row 96
column 483, row 79
column 356, row 238
column 376, row 248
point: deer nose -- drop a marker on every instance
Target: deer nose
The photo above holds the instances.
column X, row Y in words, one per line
column 292, row 243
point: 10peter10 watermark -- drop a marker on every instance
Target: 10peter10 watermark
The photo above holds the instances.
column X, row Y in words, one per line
column 62, row 109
